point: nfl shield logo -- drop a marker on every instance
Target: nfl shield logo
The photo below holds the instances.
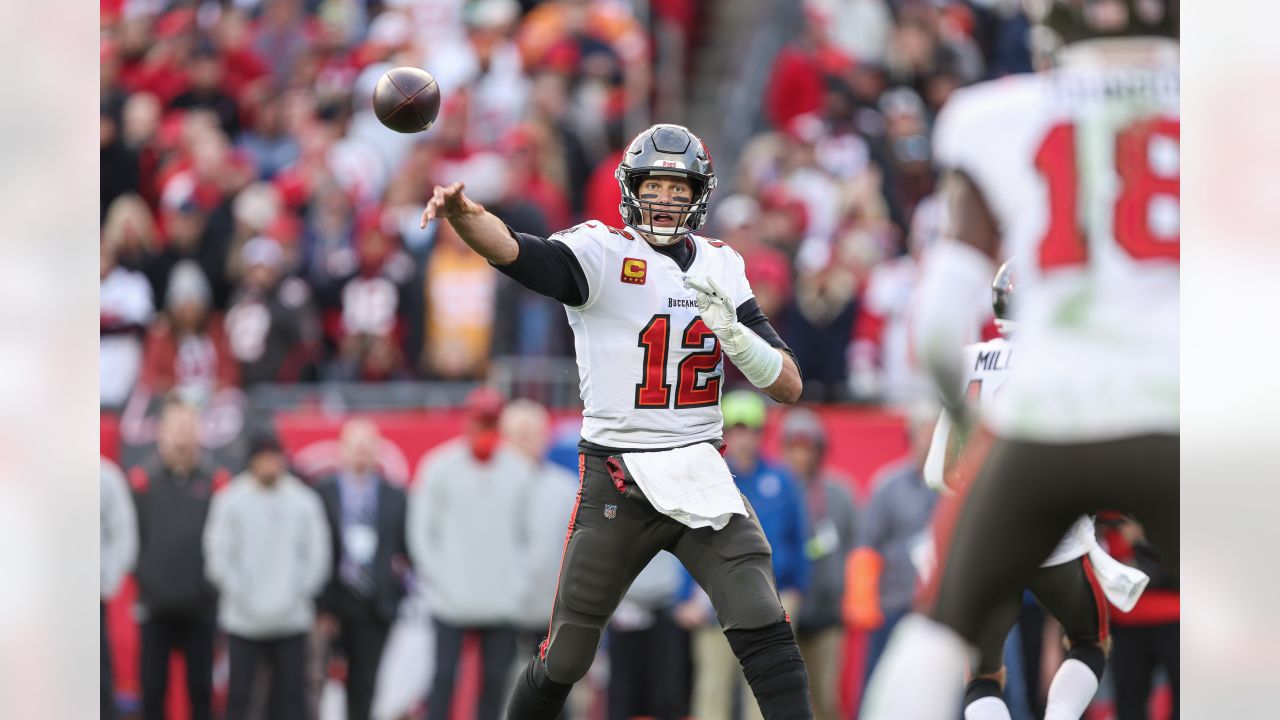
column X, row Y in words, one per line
column 610, row 511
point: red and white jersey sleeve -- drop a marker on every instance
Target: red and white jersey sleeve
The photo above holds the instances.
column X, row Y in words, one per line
column 1080, row 169
column 649, row 369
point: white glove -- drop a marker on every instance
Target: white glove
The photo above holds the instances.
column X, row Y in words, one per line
column 758, row 361
column 715, row 306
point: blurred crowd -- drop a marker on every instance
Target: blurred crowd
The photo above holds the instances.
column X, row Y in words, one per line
column 344, row 594
column 258, row 225
column 293, row 574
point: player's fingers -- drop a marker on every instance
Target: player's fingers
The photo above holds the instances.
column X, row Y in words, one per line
column 716, row 287
column 427, row 214
column 697, row 285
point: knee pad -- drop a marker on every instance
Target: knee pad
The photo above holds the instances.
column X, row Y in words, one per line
column 536, row 696
column 1091, row 655
column 979, row 688
column 774, row 669
column 568, row 658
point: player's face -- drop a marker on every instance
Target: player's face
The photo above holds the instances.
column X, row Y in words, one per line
column 673, row 191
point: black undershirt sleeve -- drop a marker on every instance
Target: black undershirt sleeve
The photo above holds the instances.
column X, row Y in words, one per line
column 548, row 267
column 750, row 314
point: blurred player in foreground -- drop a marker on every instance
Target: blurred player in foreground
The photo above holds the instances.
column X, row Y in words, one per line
column 1074, row 173
column 653, row 308
column 1070, row 584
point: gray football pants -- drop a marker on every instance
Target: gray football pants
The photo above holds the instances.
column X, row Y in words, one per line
column 613, row 534
column 1027, row 495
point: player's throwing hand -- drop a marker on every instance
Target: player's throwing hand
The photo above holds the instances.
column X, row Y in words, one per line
column 449, row 203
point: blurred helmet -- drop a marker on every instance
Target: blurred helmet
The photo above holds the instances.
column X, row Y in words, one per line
column 1001, row 298
column 1060, row 22
column 669, row 150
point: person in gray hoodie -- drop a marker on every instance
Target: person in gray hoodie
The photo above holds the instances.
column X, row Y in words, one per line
column 267, row 549
column 466, row 514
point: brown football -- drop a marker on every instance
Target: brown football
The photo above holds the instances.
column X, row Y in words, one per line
column 406, row 99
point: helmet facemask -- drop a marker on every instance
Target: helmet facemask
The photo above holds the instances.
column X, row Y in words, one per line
column 689, row 217
column 1002, row 299
column 670, row 151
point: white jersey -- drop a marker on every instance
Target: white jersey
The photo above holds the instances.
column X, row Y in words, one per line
column 1080, row 169
column 986, row 370
column 649, row 369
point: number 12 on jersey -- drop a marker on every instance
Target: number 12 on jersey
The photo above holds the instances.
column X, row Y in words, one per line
column 655, row 389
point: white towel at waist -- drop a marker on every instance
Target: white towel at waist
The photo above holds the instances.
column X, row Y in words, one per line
column 1122, row 584
column 691, row 485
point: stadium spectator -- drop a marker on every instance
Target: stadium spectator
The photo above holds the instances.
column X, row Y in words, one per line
column 124, row 310
column 861, row 29
column 267, row 139
column 119, row 162
column 537, row 159
column 206, row 72
column 526, row 325
column 366, row 517
column 188, row 235
column 649, row 663
column 797, row 80
column 818, row 622
column 881, row 367
column 130, row 229
column 910, row 156
column 271, row 324
column 465, row 520
column 268, row 549
column 459, row 309
column 497, row 80
column 879, row 574
column 778, row 501
column 117, row 553
column 186, row 350
column 281, row 38
column 819, row 322
column 328, row 229
column 367, row 296
column 526, row 429
column 930, row 43
column 176, row 605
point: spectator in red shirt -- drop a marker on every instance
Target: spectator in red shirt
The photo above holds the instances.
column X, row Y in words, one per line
column 603, row 195
column 797, row 82
column 186, row 350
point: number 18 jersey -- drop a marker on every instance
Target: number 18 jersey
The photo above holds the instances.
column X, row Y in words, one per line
column 1079, row 167
column 649, row 369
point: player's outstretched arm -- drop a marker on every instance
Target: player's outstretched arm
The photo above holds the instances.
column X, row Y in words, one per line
column 478, row 228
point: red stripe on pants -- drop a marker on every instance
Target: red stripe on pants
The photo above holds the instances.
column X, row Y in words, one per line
column 582, row 478
column 1099, row 600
